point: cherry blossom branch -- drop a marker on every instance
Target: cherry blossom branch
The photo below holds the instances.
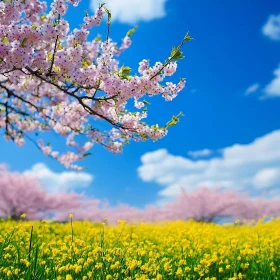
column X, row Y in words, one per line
column 175, row 55
column 51, row 78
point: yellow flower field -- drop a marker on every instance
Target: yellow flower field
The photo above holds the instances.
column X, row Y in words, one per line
column 171, row 250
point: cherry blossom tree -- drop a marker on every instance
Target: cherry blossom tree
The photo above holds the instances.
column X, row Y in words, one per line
column 22, row 194
column 204, row 205
column 54, row 79
column 213, row 205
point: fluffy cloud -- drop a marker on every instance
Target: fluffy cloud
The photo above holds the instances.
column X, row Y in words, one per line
column 59, row 182
column 253, row 167
column 272, row 27
column 128, row 11
column 200, row 153
column 251, row 89
column 273, row 88
column 266, row 178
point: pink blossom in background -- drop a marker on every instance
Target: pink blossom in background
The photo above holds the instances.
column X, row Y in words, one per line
column 206, row 205
column 20, row 194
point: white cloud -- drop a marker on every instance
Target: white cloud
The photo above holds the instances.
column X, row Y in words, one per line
column 267, row 178
column 59, row 182
column 273, row 88
column 251, row 89
column 251, row 167
column 200, row 153
column 133, row 11
column 272, row 27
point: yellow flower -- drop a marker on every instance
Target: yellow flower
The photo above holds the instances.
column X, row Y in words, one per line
column 23, row 215
column 78, row 268
column 166, row 266
column 71, row 216
column 25, row 262
column 246, row 265
column 179, row 272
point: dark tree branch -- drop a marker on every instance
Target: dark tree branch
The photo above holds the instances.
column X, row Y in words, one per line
column 54, row 52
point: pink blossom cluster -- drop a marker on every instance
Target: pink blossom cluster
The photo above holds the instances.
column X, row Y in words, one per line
column 54, row 79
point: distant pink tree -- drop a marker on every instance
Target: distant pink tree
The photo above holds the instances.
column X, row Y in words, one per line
column 97, row 211
column 209, row 205
column 204, row 204
column 20, row 194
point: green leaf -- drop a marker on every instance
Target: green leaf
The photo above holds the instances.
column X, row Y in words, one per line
column 42, row 17
column 176, row 54
column 131, row 31
column 125, row 71
column 109, row 15
column 5, row 40
column 154, row 127
column 173, row 121
column 23, row 43
column 98, row 38
column 87, row 154
column 187, row 37
column 101, row 5
column 86, row 13
column 146, row 102
column 143, row 136
column 86, row 63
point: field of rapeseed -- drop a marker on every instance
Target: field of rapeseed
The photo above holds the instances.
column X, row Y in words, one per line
column 171, row 250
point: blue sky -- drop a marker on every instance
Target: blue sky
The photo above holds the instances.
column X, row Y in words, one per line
column 232, row 96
